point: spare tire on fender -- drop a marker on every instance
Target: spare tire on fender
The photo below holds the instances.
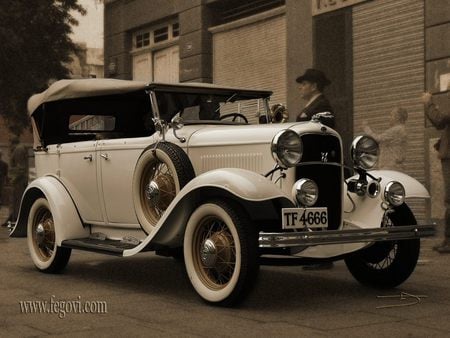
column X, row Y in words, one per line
column 161, row 172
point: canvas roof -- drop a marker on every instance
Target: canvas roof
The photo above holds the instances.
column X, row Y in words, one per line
column 71, row 89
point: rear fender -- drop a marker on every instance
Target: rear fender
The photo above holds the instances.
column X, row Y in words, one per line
column 259, row 196
column 67, row 221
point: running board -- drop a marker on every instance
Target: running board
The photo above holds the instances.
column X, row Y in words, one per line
column 327, row 237
column 105, row 246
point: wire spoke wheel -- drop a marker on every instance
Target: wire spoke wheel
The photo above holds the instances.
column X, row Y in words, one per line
column 47, row 256
column 220, row 250
column 387, row 264
column 385, row 253
column 158, row 189
column 215, row 256
column 43, row 233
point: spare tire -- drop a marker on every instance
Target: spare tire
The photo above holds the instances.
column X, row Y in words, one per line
column 160, row 173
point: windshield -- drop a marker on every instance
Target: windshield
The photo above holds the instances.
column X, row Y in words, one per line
column 198, row 108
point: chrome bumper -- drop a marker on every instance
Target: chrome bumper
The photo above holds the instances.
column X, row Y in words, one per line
column 296, row 239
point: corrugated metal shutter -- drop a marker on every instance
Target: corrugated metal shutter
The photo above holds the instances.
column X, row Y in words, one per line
column 253, row 56
column 388, row 57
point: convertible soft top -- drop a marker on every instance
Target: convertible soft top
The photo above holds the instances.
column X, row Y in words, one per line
column 71, row 89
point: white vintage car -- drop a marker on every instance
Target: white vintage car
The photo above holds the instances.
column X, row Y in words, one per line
column 187, row 170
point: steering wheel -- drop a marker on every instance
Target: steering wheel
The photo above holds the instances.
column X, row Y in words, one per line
column 235, row 116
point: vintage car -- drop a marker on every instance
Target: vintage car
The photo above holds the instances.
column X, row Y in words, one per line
column 187, row 170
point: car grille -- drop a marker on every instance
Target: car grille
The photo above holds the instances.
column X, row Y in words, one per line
column 321, row 162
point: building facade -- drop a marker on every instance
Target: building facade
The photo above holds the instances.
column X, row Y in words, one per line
column 379, row 54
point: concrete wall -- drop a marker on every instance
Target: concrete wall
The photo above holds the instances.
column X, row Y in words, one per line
column 299, row 50
column 124, row 17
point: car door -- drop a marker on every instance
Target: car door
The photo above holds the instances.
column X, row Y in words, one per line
column 117, row 159
column 78, row 172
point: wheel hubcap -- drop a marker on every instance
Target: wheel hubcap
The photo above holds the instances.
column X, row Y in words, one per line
column 40, row 234
column 152, row 192
column 44, row 234
column 216, row 256
column 158, row 190
column 208, row 253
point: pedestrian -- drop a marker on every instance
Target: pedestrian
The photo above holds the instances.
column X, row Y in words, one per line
column 19, row 174
column 441, row 120
column 3, row 177
column 393, row 141
column 311, row 86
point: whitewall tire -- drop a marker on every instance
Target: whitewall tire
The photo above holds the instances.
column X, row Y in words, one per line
column 41, row 239
column 221, row 252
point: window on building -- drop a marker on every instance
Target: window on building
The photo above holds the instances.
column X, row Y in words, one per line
column 151, row 37
column 161, row 34
column 175, row 29
column 143, row 40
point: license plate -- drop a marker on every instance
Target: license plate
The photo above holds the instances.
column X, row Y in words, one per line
column 301, row 218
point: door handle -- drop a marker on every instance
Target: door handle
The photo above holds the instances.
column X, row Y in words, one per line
column 105, row 156
column 89, row 158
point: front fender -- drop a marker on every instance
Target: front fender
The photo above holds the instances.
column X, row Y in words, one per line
column 243, row 186
column 413, row 188
column 67, row 221
column 367, row 212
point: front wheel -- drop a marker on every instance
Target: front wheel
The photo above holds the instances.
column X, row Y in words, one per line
column 387, row 264
column 46, row 255
column 221, row 252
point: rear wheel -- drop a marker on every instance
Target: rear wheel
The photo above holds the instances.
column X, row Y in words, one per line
column 46, row 255
column 387, row 264
column 221, row 252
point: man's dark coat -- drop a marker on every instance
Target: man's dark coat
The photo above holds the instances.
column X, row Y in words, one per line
column 319, row 105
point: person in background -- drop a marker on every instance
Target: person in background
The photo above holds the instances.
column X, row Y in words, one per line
column 393, row 141
column 311, row 86
column 3, row 177
column 441, row 120
column 19, row 174
column 209, row 108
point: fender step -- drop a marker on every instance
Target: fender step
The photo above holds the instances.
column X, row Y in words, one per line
column 105, row 246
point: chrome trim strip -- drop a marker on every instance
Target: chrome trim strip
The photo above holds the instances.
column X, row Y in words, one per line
column 295, row 239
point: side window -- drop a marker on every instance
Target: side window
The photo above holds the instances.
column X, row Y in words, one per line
column 90, row 123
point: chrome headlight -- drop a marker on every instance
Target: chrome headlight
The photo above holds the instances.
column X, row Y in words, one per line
column 305, row 192
column 287, row 148
column 364, row 152
column 394, row 193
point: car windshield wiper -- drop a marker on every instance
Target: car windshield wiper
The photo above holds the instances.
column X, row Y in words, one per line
column 227, row 100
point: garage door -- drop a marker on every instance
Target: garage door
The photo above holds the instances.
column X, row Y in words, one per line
column 252, row 55
column 388, row 56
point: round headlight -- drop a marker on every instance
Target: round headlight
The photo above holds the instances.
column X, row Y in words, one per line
column 364, row 152
column 394, row 193
column 305, row 192
column 287, row 148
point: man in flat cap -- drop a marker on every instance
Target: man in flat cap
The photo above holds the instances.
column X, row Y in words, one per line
column 311, row 86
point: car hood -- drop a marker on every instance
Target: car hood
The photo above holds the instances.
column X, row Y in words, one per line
column 209, row 135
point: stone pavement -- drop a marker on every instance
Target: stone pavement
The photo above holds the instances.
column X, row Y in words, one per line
column 149, row 295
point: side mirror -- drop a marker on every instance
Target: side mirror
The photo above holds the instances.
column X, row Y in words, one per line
column 177, row 123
